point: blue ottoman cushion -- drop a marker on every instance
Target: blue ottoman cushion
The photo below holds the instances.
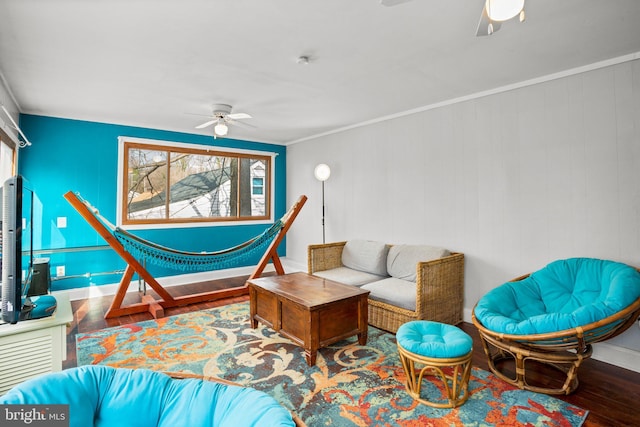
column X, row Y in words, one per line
column 433, row 339
column 102, row 396
column 563, row 295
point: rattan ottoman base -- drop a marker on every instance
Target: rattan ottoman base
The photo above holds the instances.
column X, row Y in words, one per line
column 453, row 373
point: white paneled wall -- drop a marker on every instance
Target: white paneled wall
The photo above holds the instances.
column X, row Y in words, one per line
column 514, row 180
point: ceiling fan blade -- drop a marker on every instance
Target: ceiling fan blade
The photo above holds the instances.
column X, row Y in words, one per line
column 205, row 124
column 483, row 25
column 239, row 124
column 238, row 116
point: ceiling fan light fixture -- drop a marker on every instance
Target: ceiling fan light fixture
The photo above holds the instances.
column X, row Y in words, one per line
column 503, row 10
column 220, row 129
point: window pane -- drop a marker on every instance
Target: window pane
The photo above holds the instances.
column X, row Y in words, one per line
column 258, row 171
column 258, row 186
column 6, row 162
column 201, row 186
column 146, row 184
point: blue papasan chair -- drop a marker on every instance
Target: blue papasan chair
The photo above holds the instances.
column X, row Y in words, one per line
column 553, row 316
column 103, row 396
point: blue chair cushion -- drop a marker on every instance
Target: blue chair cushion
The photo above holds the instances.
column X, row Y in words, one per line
column 563, row 295
column 433, row 339
column 102, row 396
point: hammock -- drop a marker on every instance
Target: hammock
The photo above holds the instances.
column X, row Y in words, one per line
column 163, row 256
column 133, row 249
column 195, row 261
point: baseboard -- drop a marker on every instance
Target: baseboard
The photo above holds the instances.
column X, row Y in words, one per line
column 182, row 279
column 616, row 355
column 602, row 351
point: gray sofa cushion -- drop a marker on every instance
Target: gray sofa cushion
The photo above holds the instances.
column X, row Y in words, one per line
column 366, row 255
column 348, row 276
column 403, row 259
column 398, row 292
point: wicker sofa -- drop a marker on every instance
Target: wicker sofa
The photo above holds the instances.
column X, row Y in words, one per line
column 406, row 282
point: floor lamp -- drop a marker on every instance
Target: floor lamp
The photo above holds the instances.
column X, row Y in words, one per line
column 322, row 173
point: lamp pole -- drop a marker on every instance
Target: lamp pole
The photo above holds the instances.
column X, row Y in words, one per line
column 323, row 239
column 322, row 173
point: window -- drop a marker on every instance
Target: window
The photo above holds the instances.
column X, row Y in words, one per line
column 7, row 157
column 258, row 186
column 184, row 183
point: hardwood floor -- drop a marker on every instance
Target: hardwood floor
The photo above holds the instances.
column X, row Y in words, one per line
column 611, row 394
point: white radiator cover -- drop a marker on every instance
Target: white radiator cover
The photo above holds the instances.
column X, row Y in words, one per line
column 34, row 347
column 28, row 355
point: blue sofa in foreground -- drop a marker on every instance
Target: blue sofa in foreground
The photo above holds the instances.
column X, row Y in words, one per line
column 553, row 316
column 103, row 396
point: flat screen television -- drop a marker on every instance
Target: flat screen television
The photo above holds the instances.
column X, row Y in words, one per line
column 17, row 245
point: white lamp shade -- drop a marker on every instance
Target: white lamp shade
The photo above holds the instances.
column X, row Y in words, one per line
column 221, row 129
column 502, row 10
column 322, row 172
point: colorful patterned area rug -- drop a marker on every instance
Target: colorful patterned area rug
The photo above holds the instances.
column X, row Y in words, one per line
column 350, row 385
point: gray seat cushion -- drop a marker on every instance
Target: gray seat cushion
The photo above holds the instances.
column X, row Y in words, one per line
column 403, row 259
column 366, row 255
column 348, row 276
column 398, row 292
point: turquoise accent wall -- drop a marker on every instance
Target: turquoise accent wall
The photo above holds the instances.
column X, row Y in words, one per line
column 80, row 156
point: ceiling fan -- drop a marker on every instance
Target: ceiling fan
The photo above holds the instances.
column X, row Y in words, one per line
column 495, row 12
column 223, row 117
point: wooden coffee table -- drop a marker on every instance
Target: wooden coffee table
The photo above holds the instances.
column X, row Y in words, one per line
column 311, row 311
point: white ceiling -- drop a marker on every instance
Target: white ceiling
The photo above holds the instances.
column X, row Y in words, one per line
column 158, row 63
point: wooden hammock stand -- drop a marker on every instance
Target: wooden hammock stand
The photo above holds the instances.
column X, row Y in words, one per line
column 156, row 307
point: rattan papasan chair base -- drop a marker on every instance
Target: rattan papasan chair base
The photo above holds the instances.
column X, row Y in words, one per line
column 553, row 316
